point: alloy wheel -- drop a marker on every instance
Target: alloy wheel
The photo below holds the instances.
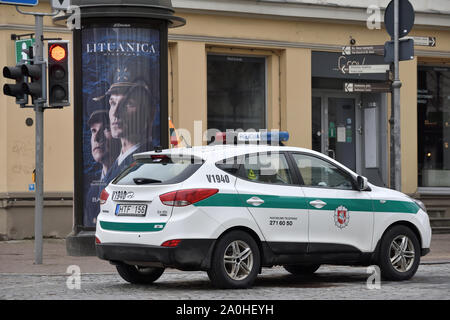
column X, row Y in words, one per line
column 402, row 253
column 238, row 260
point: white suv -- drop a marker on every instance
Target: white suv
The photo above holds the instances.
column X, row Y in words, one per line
column 231, row 210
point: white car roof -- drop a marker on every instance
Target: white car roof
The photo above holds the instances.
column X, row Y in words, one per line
column 219, row 152
column 214, row 153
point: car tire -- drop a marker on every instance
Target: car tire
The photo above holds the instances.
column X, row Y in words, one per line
column 399, row 255
column 139, row 275
column 235, row 262
column 302, row 269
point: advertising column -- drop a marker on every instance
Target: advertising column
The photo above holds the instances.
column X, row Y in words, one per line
column 121, row 103
column 120, row 100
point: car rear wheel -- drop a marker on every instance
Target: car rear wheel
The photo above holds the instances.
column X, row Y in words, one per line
column 399, row 254
column 139, row 275
column 302, row 269
column 235, row 262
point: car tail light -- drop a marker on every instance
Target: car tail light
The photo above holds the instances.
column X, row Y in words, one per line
column 103, row 196
column 171, row 243
column 182, row 198
column 97, row 240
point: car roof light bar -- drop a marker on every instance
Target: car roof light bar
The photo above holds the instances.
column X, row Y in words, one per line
column 262, row 137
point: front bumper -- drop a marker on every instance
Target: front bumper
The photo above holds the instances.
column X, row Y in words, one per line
column 189, row 255
column 424, row 251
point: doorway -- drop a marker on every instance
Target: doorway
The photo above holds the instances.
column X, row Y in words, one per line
column 350, row 129
column 335, row 122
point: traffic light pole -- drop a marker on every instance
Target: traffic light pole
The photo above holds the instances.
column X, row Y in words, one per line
column 38, row 59
column 39, row 114
column 395, row 148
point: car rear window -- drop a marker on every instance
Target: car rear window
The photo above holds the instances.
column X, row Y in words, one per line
column 158, row 169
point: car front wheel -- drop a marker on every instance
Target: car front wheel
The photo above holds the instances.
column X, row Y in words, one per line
column 139, row 275
column 399, row 254
column 235, row 262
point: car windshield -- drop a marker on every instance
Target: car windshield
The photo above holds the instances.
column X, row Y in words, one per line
column 158, row 169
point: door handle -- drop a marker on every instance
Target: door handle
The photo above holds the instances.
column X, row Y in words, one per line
column 255, row 201
column 360, row 130
column 318, row 204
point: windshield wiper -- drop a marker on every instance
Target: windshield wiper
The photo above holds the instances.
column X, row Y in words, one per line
column 145, row 181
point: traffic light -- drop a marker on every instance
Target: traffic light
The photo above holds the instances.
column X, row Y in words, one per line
column 35, row 87
column 58, row 73
column 15, row 90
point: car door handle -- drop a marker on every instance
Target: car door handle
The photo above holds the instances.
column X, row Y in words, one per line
column 255, row 201
column 318, row 204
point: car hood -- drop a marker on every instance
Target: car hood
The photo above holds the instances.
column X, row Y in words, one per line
column 390, row 193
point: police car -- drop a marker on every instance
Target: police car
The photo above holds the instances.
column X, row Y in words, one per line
column 232, row 209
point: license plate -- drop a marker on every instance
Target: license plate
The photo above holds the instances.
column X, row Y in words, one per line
column 134, row 210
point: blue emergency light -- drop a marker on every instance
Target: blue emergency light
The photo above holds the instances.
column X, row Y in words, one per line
column 264, row 137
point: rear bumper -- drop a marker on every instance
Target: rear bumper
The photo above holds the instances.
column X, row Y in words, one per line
column 190, row 254
column 424, row 251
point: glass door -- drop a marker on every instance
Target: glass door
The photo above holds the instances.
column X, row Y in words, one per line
column 352, row 129
column 341, row 131
column 335, row 123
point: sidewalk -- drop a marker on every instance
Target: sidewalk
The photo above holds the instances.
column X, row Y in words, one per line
column 18, row 257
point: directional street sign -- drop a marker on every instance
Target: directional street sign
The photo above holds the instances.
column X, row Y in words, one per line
column 367, row 87
column 368, row 68
column 352, row 50
column 22, row 47
column 21, row 2
column 423, row 41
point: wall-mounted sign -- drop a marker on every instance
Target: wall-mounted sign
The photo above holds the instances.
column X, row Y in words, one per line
column 367, row 87
column 423, row 41
column 351, row 50
column 373, row 68
column 335, row 65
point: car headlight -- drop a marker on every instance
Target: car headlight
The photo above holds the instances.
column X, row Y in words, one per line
column 420, row 204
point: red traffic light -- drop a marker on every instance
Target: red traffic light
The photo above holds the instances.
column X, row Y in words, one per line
column 57, row 52
column 58, row 73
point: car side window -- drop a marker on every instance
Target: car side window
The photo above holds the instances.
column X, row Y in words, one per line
column 320, row 173
column 270, row 168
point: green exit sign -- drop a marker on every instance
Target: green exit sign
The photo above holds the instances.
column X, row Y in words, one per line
column 22, row 45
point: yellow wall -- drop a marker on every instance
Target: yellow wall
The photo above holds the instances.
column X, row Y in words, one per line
column 297, row 31
column 17, row 140
column 296, row 96
column 189, row 101
column 408, row 125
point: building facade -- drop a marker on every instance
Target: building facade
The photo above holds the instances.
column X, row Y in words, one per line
column 260, row 65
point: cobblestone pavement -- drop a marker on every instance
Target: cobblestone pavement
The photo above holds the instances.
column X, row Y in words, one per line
column 432, row 281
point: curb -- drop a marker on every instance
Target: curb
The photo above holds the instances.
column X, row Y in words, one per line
column 434, row 262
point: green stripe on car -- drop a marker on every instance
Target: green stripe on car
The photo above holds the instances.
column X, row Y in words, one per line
column 288, row 202
column 132, row 227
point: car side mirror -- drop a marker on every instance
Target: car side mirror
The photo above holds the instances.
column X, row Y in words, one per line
column 362, row 183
